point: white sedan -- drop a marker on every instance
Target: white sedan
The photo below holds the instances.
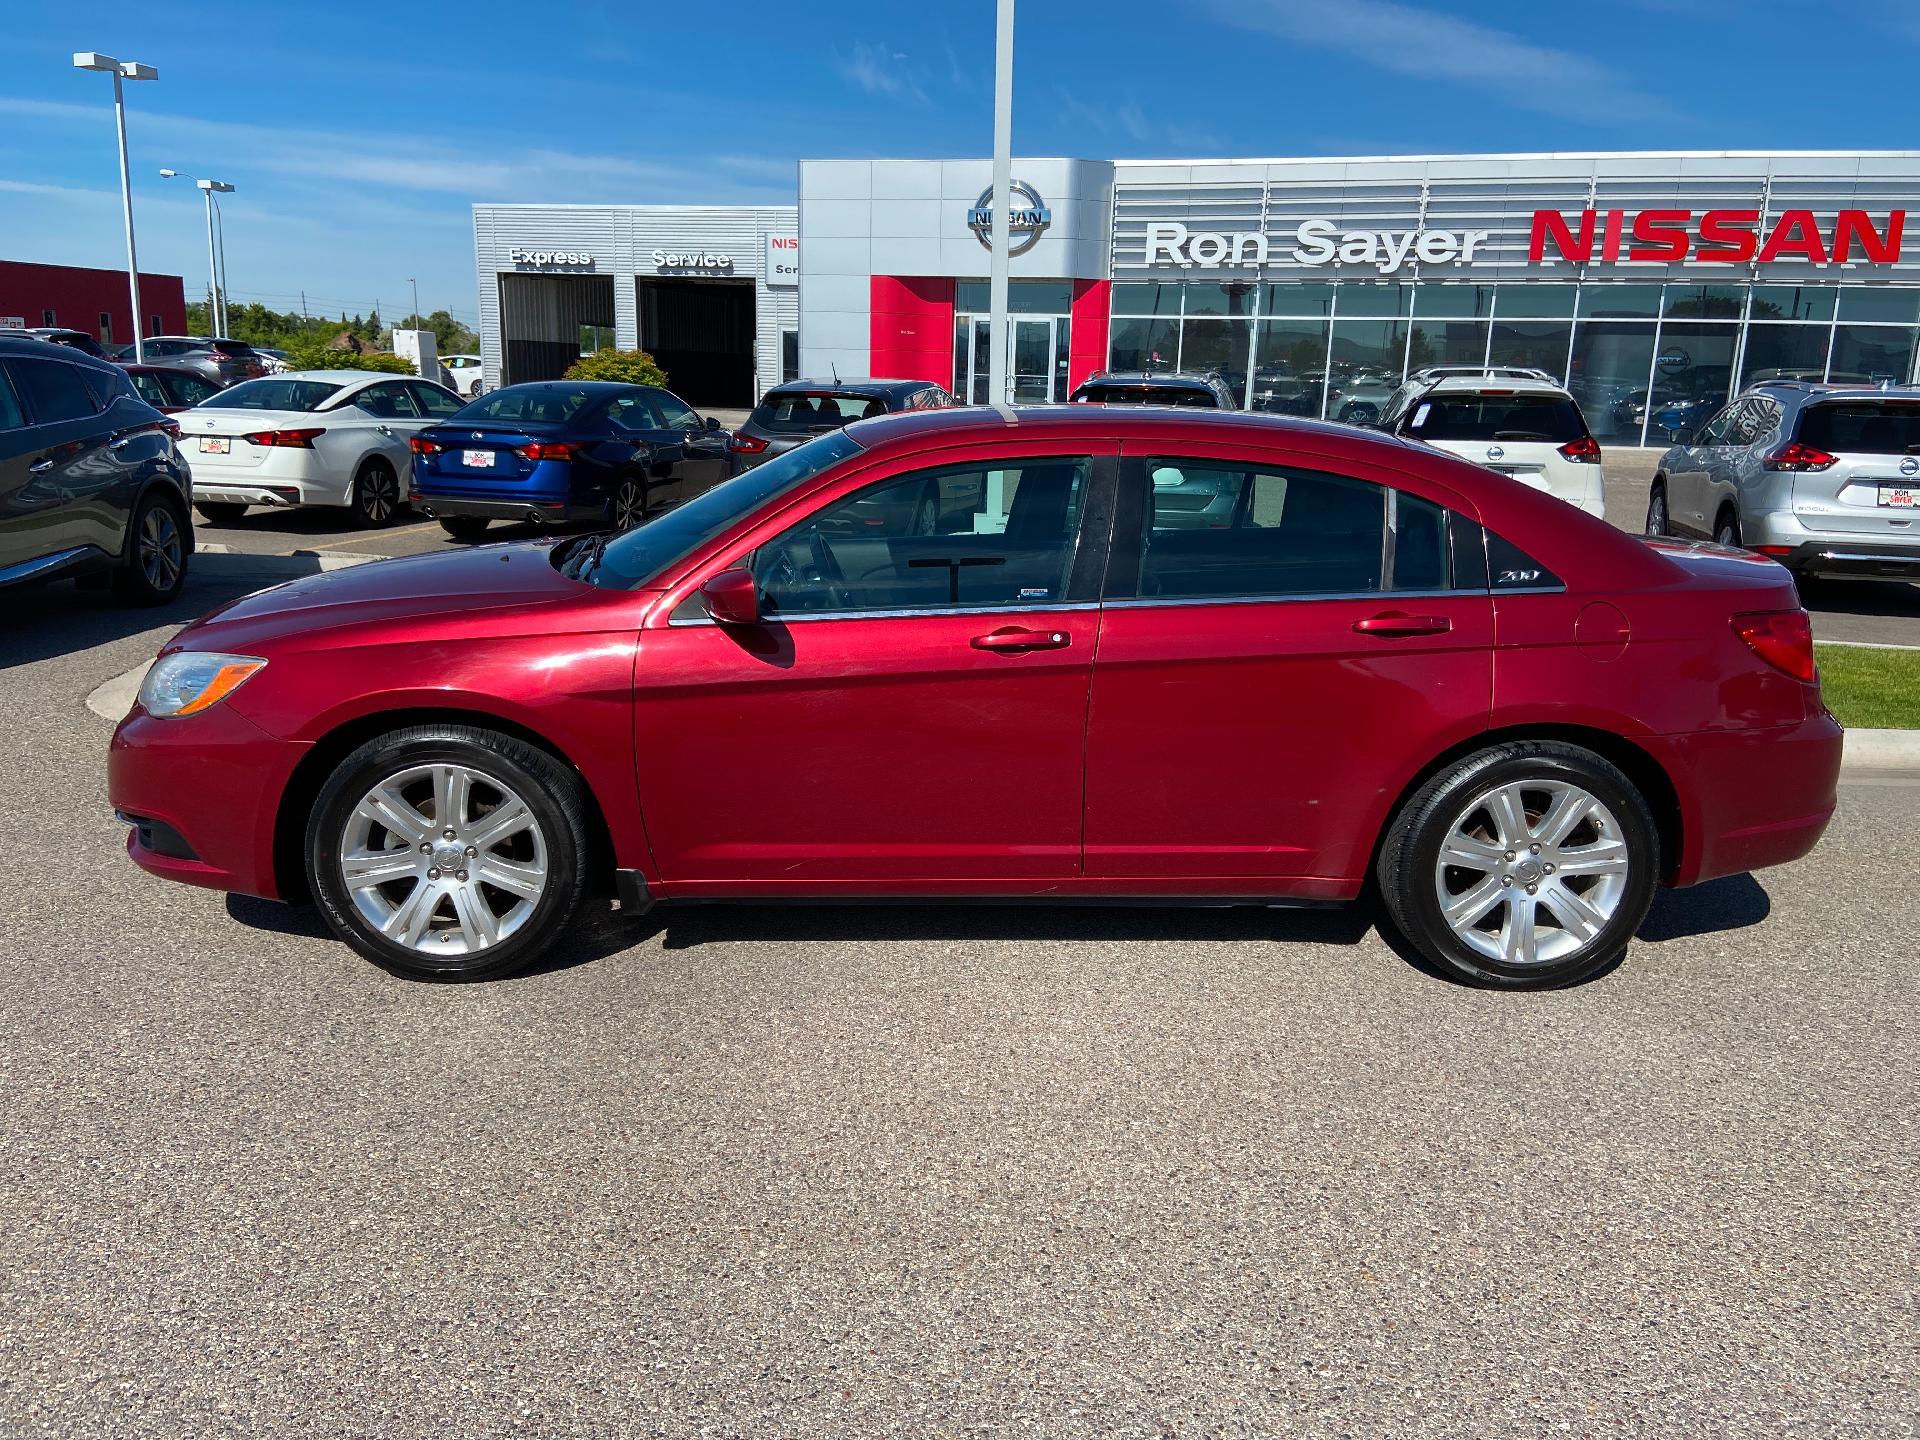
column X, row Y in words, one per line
column 463, row 374
column 311, row 437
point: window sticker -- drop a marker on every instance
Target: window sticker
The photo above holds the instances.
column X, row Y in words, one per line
column 1420, row 415
column 1034, row 592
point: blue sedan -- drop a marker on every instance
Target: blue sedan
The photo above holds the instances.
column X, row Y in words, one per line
column 556, row 452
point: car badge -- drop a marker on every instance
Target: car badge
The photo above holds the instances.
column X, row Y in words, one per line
column 1910, row 466
column 1494, row 452
column 477, row 435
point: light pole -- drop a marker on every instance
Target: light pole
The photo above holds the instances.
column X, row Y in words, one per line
column 1002, row 185
column 416, row 301
column 123, row 70
column 216, row 270
column 220, row 229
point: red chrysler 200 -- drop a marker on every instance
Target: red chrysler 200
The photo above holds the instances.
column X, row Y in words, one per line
column 1087, row 652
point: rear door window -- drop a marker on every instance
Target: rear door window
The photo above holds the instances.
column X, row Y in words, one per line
column 12, row 417
column 434, row 401
column 674, row 412
column 1553, row 419
column 388, row 401
column 53, row 391
column 1862, row 427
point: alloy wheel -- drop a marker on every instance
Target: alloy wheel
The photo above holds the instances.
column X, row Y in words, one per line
column 378, row 492
column 158, row 549
column 1657, row 513
column 630, row 504
column 1531, row 872
column 443, row 859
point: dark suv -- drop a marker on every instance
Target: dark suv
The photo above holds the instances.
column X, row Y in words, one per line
column 1143, row 387
column 793, row 413
column 224, row 362
column 91, row 482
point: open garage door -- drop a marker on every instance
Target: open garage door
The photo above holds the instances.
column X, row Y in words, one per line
column 701, row 332
column 542, row 319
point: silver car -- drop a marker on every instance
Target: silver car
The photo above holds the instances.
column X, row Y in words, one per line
column 1823, row 478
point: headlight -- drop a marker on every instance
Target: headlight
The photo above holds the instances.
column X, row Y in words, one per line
column 189, row 681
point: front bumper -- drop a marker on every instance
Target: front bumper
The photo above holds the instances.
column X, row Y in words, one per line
column 532, row 509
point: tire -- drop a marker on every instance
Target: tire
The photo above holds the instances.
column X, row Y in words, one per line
column 219, row 512
column 466, row 528
column 376, row 497
column 404, row 776
column 629, row 507
column 926, row 514
column 1463, row 808
column 1726, row 530
column 1657, row 523
column 159, row 545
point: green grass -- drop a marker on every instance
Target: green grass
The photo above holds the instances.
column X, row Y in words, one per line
column 1871, row 689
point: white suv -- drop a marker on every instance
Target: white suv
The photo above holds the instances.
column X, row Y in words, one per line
column 1529, row 429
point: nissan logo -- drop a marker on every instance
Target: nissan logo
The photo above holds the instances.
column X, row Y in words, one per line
column 1027, row 217
column 1910, row 466
column 1494, row 452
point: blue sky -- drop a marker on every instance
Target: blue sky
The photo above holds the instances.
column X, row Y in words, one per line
column 359, row 134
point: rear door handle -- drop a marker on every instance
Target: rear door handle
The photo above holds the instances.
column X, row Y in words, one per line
column 41, row 466
column 125, row 440
column 1396, row 623
column 1016, row 638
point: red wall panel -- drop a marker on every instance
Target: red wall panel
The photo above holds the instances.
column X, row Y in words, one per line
column 77, row 296
column 912, row 328
column 1087, row 351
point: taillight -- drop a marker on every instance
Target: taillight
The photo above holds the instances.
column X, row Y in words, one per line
column 171, row 428
column 746, row 445
column 1782, row 638
column 1585, row 450
column 420, row 445
column 286, row 439
column 1795, row 456
column 546, row 450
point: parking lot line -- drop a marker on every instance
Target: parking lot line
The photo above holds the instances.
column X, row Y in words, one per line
column 379, row 537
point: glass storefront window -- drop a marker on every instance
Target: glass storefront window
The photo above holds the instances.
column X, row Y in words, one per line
column 1793, row 302
column 1146, row 299
column 1227, row 299
column 1609, row 377
column 1784, row 352
column 1304, row 300
column 1220, row 347
column 1445, row 342
column 1289, row 366
column 1367, row 366
column 1693, row 378
column 1365, row 299
column 1536, row 302
column 1705, row 302
column 1024, row 297
column 1541, row 344
column 1619, row 302
column 1445, row 301
column 1870, row 354
column 1879, row 302
column 1143, row 344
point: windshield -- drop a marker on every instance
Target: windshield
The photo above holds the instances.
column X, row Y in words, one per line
column 1863, row 427
column 553, row 403
column 274, row 394
column 811, row 409
column 1193, row 398
column 1552, row 418
column 634, row 559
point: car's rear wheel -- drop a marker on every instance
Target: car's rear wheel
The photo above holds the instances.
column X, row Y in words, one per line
column 155, row 565
column 1726, row 529
column 1527, row 866
column 219, row 512
column 1657, row 509
column 376, row 495
column 630, row 503
column 448, row 852
column 464, row 527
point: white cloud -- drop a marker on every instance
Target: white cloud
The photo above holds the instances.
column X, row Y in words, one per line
column 1407, row 40
column 879, row 70
column 1128, row 119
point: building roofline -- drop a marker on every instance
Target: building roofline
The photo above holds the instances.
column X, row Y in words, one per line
column 1459, row 156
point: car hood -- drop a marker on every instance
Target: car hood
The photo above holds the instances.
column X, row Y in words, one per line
column 455, row 592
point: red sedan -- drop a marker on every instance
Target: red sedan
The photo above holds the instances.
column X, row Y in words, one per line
column 1074, row 652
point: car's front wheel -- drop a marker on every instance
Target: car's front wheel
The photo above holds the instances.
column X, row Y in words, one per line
column 1726, row 530
column 1527, row 866
column 448, row 852
column 1657, row 510
column 155, row 565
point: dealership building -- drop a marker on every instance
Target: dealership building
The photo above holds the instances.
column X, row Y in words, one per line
column 1310, row 286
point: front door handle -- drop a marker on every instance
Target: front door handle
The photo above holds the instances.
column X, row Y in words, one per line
column 1016, row 638
column 1395, row 622
column 41, row 466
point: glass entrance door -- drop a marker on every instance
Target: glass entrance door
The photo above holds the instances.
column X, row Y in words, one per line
column 1037, row 356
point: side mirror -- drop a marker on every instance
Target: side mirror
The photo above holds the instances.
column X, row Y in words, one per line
column 732, row 597
column 711, row 424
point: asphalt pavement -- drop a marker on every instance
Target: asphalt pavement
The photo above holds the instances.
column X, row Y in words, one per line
column 934, row 1171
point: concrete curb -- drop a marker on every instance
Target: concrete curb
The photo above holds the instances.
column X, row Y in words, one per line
column 1881, row 750
column 319, row 559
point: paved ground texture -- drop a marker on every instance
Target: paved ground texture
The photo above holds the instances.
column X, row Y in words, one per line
column 934, row 1172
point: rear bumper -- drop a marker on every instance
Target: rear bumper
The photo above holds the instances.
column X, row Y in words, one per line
column 536, row 509
column 284, row 477
column 1752, row 798
column 1845, row 558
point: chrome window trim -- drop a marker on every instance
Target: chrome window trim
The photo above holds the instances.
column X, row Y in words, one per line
column 777, row 618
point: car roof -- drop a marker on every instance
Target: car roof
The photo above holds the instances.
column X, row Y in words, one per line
column 1183, row 379
column 1496, row 384
column 44, row 349
column 1811, row 390
column 863, row 386
column 968, row 424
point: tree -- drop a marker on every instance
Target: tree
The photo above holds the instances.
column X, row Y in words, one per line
column 630, row 367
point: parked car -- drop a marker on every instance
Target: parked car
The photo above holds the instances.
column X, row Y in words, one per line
column 1531, row 430
column 60, row 335
column 463, row 375
column 91, row 483
column 1426, row 374
column 750, row 697
column 1360, row 398
column 1154, row 387
column 793, row 413
column 1282, row 390
column 169, row 389
column 554, row 452
column 1823, row 478
column 224, row 362
column 278, row 362
column 311, row 437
